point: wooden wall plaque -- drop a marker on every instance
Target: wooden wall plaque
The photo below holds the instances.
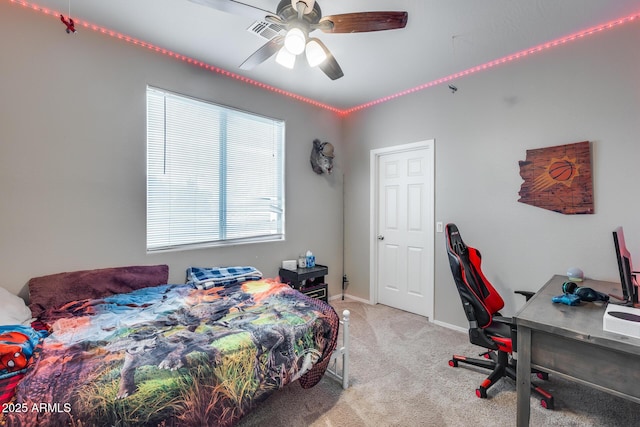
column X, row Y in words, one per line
column 558, row 178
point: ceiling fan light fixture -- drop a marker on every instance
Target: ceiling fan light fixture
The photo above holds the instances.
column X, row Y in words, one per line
column 308, row 5
column 286, row 58
column 315, row 53
column 295, row 41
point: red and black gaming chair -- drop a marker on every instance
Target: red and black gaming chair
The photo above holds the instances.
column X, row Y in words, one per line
column 487, row 327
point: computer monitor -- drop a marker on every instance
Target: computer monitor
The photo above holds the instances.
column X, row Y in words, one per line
column 625, row 267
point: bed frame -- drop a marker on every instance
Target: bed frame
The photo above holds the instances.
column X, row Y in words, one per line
column 341, row 371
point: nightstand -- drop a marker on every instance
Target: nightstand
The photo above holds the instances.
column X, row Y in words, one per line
column 313, row 278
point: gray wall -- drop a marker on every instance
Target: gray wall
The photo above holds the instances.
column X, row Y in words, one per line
column 586, row 90
column 72, row 160
column 72, row 156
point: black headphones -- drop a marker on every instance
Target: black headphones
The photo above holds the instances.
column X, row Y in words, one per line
column 585, row 294
column 569, row 287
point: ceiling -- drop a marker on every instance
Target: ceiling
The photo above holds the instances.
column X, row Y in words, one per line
column 442, row 37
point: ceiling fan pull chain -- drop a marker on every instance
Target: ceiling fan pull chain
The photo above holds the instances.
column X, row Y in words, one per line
column 300, row 6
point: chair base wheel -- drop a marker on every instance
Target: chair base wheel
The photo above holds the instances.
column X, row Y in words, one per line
column 543, row 376
column 547, row 403
column 481, row 392
column 453, row 363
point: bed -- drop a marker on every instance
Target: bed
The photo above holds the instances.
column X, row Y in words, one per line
column 138, row 352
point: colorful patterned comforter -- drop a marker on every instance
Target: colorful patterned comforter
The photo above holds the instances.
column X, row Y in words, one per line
column 174, row 355
column 17, row 343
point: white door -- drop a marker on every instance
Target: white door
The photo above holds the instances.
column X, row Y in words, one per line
column 403, row 227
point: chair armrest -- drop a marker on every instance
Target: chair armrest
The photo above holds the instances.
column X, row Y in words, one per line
column 526, row 294
column 503, row 319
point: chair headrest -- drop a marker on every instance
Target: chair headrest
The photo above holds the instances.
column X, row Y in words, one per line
column 455, row 240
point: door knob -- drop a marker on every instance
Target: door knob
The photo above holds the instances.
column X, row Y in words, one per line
column 380, row 237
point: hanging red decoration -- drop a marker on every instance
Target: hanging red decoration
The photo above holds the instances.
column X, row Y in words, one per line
column 71, row 26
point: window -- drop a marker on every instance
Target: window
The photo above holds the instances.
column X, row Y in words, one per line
column 215, row 175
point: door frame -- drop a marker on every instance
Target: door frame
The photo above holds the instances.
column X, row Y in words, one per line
column 375, row 155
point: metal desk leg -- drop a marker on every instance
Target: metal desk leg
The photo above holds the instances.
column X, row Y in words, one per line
column 523, row 376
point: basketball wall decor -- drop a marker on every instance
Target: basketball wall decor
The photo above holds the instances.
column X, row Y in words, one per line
column 558, row 178
column 562, row 170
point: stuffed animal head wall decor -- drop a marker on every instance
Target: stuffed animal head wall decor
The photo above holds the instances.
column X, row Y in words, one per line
column 321, row 157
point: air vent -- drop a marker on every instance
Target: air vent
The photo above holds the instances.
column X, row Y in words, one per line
column 266, row 30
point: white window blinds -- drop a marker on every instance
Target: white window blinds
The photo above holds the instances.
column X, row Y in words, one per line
column 214, row 175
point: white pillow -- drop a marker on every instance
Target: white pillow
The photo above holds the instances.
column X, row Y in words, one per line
column 13, row 310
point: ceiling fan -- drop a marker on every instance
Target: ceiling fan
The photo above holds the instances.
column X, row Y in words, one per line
column 300, row 18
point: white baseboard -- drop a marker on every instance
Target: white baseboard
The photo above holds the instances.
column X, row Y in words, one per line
column 436, row 322
column 351, row 297
column 450, row 326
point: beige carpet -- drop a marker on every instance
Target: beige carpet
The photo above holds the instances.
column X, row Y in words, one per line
column 400, row 377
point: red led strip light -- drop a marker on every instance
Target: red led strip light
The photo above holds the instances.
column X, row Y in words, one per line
column 557, row 42
column 524, row 53
column 80, row 23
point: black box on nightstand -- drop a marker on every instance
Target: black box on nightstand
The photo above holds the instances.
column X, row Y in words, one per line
column 309, row 281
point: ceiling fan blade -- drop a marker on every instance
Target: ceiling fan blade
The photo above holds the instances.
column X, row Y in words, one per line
column 236, row 8
column 330, row 66
column 265, row 52
column 274, row 19
column 361, row 22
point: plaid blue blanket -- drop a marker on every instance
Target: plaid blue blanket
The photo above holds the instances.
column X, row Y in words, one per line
column 205, row 278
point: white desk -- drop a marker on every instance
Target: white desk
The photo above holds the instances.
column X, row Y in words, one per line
column 569, row 341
